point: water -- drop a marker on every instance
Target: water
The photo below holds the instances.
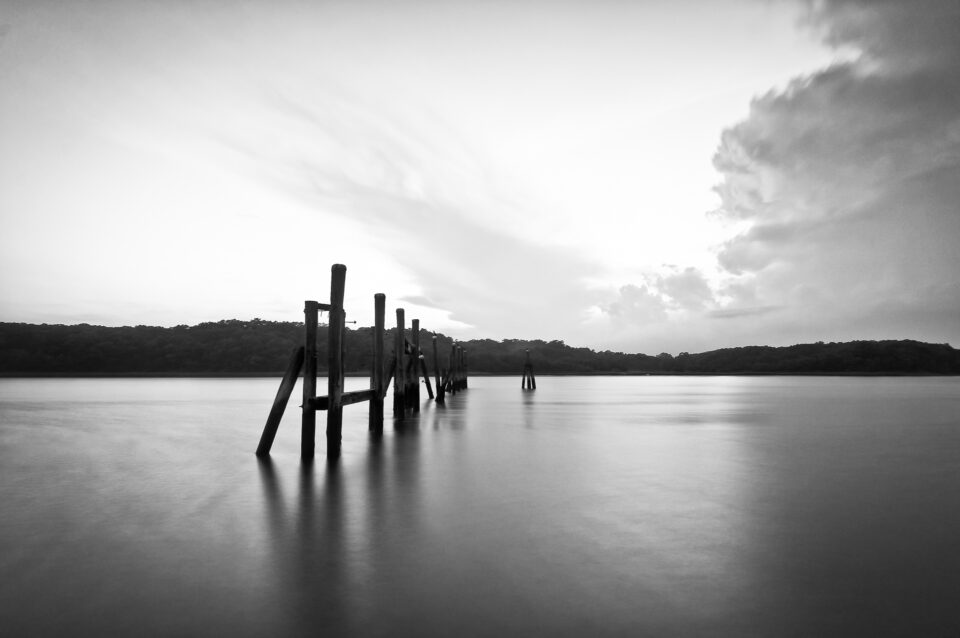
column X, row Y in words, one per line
column 660, row 506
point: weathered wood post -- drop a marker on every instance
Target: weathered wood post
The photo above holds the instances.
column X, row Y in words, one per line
column 338, row 275
column 529, row 381
column 452, row 369
column 280, row 402
column 426, row 375
column 436, row 370
column 308, row 421
column 415, row 381
column 399, row 374
column 376, row 374
column 464, row 367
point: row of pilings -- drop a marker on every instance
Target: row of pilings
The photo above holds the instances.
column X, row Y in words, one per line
column 405, row 369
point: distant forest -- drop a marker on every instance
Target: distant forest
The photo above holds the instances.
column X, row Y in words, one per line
column 235, row 347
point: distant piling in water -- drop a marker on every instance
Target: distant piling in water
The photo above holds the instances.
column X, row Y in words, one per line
column 405, row 368
column 529, row 381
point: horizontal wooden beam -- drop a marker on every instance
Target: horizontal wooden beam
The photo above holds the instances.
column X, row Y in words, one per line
column 347, row 398
column 357, row 396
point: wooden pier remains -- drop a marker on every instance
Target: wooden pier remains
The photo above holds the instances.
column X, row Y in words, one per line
column 405, row 369
column 529, row 381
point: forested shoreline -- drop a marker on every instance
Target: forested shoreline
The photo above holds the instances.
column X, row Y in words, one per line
column 254, row 347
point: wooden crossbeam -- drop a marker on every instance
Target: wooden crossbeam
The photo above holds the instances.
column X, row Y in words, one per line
column 347, row 398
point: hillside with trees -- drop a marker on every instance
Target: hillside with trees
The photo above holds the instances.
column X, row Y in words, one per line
column 235, row 347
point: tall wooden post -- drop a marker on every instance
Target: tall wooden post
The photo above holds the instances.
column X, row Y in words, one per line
column 453, row 369
column 436, row 370
column 415, row 381
column 459, row 367
column 464, row 368
column 338, row 275
column 399, row 375
column 308, row 421
column 376, row 375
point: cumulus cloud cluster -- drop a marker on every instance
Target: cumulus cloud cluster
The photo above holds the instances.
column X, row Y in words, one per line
column 848, row 182
column 844, row 188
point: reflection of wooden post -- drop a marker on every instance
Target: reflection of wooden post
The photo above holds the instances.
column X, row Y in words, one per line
column 308, row 421
column 376, row 375
column 280, row 402
column 399, row 374
column 436, row 370
column 415, row 381
column 529, row 381
column 338, row 275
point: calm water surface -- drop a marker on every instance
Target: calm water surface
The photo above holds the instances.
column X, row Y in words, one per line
column 658, row 506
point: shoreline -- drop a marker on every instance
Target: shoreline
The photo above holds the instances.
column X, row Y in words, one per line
column 271, row 375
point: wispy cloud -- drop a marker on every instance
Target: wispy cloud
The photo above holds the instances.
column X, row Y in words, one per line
column 427, row 204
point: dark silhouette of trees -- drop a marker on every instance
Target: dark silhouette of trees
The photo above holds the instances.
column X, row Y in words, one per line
column 234, row 347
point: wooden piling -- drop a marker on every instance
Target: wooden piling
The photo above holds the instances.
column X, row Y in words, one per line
column 280, row 402
column 338, row 275
column 399, row 375
column 452, row 369
column 376, row 374
column 436, row 370
column 308, row 420
column 426, row 375
column 415, row 380
column 529, row 381
column 463, row 366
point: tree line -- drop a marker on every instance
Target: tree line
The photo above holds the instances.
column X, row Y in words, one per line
column 235, row 347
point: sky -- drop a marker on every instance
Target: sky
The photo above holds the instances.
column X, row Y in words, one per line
column 645, row 176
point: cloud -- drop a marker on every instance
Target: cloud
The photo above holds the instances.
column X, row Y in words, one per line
column 687, row 288
column 847, row 181
column 426, row 205
column 737, row 313
column 636, row 304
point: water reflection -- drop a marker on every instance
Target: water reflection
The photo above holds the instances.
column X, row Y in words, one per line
column 633, row 506
column 346, row 529
column 529, row 400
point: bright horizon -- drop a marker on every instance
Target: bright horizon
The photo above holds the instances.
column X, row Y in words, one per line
column 646, row 177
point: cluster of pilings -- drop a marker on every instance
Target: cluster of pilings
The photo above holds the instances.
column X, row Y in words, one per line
column 405, row 369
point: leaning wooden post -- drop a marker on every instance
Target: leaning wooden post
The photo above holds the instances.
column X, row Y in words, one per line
column 280, row 402
column 376, row 375
column 338, row 275
column 415, row 381
column 399, row 375
column 308, row 421
column 426, row 376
